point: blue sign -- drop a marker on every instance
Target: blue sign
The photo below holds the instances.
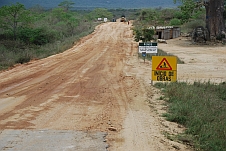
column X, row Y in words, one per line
column 143, row 54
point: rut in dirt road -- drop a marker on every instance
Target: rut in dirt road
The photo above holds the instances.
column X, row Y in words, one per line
column 77, row 78
column 97, row 87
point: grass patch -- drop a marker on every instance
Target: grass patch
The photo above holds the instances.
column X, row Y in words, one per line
column 201, row 108
column 23, row 59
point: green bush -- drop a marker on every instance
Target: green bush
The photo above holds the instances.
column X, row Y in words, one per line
column 144, row 34
column 138, row 35
column 220, row 37
column 190, row 26
column 148, row 34
column 5, row 60
column 178, row 14
column 34, row 36
column 23, row 59
column 175, row 22
column 201, row 107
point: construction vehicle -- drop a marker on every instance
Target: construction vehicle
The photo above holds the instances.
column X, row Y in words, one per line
column 123, row 18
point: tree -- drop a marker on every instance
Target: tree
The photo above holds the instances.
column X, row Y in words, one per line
column 187, row 10
column 66, row 4
column 144, row 34
column 67, row 20
column 71, row 22
column 143, row 14
column 214, row 15
column 151, row 17
column 11, row 17
column 101, row 13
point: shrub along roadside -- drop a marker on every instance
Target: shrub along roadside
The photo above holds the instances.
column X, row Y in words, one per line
column 41, row 33
column 19, row 52
column 201, row 108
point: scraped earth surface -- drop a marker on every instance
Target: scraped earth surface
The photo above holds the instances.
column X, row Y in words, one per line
column 203, row 61
column 95, row 96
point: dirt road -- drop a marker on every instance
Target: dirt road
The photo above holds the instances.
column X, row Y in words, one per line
column 93, row 96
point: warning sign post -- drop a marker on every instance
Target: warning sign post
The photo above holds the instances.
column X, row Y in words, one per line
column 164, row 68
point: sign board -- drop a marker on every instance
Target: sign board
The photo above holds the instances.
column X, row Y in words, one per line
column 161, row 27
column 105, row 19
column 143, row 54
column 164, row 68
column 148, row 47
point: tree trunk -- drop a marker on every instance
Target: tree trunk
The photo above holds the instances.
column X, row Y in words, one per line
column 214, row 17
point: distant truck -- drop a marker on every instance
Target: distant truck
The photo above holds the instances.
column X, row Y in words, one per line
column 123, row 18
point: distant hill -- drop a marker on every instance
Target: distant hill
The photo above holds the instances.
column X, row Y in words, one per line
column 89, row 4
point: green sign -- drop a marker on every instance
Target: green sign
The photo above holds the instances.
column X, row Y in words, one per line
column 148, row 44
column 148, row 47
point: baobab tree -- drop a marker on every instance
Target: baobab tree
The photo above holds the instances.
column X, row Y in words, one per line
column 214, row 15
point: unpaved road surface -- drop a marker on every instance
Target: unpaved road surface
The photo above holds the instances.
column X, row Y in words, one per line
column 95, row 96
column 203, row 62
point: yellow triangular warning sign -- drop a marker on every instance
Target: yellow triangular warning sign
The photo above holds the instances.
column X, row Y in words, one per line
column 164, row 65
